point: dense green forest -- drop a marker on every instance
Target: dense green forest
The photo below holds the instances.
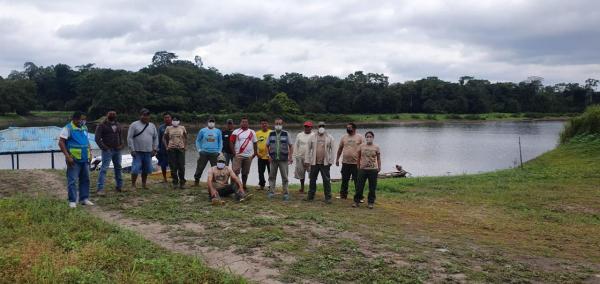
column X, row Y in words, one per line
column 188, row 87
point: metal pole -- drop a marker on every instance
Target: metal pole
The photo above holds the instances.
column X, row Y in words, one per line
column 17, row 161
column 12, row 160
column 520, row 153
column 52, row 158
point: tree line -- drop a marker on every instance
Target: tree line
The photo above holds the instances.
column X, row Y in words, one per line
column 171, row 84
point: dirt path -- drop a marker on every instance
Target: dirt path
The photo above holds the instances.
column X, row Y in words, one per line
column 254, row 267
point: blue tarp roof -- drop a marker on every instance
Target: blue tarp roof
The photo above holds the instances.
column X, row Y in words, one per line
column 32, row 139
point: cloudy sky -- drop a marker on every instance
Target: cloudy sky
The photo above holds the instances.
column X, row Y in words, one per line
column 505, row 40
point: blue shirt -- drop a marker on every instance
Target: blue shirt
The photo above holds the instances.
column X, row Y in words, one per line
column 209, row 141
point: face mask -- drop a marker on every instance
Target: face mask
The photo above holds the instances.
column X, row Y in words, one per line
column 369, row 140
column 220, row 165
column 278, row 127
column 321, row 130
column 82, row 123
column 112, row 118
column 175, row 123
column 349, row 130
column 211, row 125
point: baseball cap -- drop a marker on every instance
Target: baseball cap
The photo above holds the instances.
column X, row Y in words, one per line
column 221, row 158
column 144, row 111
column 211, row 119
column 321, row 123
column 308, row 123
column 230, row 121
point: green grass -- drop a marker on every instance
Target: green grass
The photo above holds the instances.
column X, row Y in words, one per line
column 43, row 241
column 537, row 224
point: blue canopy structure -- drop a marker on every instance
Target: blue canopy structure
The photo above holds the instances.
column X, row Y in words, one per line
column 32, row 140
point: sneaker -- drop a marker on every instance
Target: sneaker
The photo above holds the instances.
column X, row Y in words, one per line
column 327, row 201
column 362, row 201
column 286, row 197
column 87, row 202
column 100, row 193
column 355, row 204
column 72, row 204
column 217, row 201
column 308, row 199
column 246, row 197
column 270, row 195
column 370, row 205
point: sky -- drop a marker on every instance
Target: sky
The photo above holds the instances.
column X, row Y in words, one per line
column 505, row 40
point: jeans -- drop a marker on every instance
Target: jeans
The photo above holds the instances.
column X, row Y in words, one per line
column 142, row 162
column 202, row 161
column 363, row 177
column 228, row 190
column 79, row 172
column 177, row 165
column 262, row 166
column 108, row 156
column 314, row 173
column 348, row 170
column 283, row 168
column 228, row 158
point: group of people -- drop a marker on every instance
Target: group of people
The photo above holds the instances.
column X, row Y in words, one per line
column 313, row 153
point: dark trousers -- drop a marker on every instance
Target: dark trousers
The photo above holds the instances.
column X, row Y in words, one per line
column 202, row 161
column 177, row 165
column 348, row 171
column 262, row 166
column 228, row 190
column 363, row 177
column 314, row 174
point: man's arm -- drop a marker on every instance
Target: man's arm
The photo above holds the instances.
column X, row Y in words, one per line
column 358, row 160
column 331, row 145
column 130, row 139
column 98, row 138
column 339, row 152
column 62, row 144
column 199, row 140
column 185, row 136
column 232, row 143
column 291, row 153
column 165, row 139
column 378, row 161
column 220, row 139
column 154, row 140
column 255, row 145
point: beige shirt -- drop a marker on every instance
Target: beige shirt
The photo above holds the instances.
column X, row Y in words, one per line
column 320, row 149
column 351, row 145
column 175, row 136
column 311, row 153
column 220, row 177
column 368, row 156
column 301, row 144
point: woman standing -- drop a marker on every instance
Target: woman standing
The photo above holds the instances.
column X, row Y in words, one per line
column 369, row 165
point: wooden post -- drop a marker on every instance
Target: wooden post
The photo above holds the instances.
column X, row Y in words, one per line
column 52, row 158
column 17, row 161
column 520, row 153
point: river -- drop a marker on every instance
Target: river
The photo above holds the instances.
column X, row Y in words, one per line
column 423, row 149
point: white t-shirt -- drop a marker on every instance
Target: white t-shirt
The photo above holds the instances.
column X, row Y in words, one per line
column 301, row 145
column 240, row 137
column 65, row 133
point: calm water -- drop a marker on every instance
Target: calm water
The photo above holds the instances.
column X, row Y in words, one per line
column 422, row 149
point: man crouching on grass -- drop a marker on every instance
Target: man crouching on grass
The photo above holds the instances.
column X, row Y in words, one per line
column 219, row 185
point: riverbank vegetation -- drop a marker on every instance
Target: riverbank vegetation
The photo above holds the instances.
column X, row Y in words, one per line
column 182, row 86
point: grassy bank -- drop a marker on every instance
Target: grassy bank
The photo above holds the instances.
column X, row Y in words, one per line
column 43, row 241
column 536, row 224
column 60, row 117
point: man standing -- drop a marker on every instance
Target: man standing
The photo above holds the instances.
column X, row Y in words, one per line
column 319, row 158
column 108, row 137
column 162, row 155
column 349, row 145
column 226, row 133
column 219, row 186
column 175, row 138
column 239, row 142
column 263, row 153
column 74, row 144
column 280, row 156
column 142, row 139
column 208, row 144
column 300, row 148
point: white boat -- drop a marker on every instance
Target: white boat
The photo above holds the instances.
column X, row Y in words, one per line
column 126, row 162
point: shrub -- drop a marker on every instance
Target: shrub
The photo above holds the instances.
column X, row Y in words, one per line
column 586, row 124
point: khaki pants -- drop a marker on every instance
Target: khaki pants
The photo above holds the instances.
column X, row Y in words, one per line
column 241, row 165
column 282, row 166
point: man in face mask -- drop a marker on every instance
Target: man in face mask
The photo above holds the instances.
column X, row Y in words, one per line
column 162, row 156
column 300, row 148
column 209, row 143
column 279, row 147
column 263, row 154
column 319, row 157
column 110, row 140
column 349, row 145
column 219, row 185
column 74, row 144
column 175, row 138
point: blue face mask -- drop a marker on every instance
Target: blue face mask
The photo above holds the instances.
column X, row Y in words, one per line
column 82, row 123
column 220, row 165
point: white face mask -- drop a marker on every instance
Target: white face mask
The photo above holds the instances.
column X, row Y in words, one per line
column 278, row 127
column 175, row 123
column 369, row 140
column 211, row 125
column 220, row 165
column 321, row 130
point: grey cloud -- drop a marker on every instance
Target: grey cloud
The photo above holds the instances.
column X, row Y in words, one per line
column 98, row 28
